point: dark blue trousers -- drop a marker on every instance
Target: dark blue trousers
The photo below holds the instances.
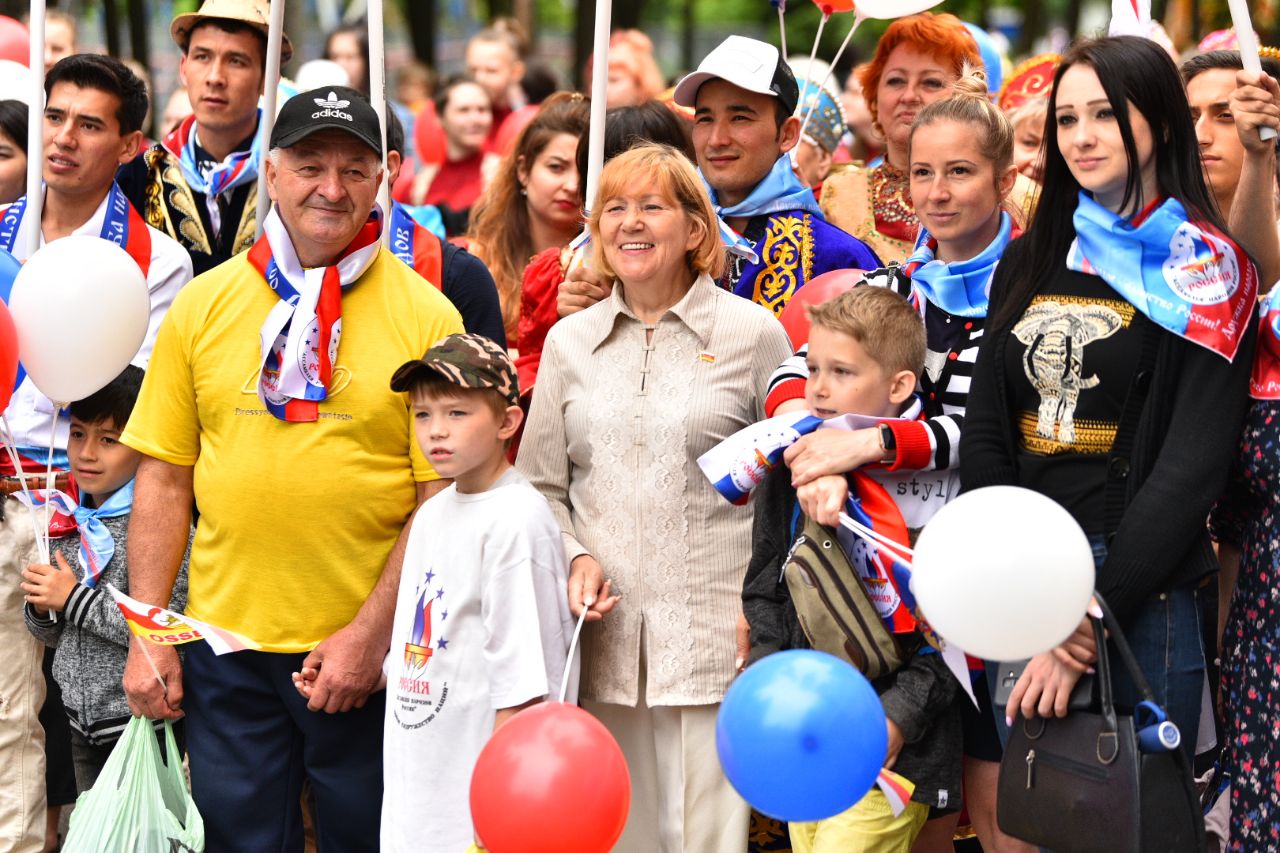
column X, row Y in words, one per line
column 251, row 741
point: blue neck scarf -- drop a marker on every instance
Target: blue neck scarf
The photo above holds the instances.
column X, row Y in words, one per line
column 115, row 226
column 97, row 545
column 779, row 191
column 1186, row 277
column 961, row 289
column 238, row 168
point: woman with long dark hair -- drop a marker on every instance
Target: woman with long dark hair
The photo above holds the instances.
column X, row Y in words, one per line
column 1114, row 369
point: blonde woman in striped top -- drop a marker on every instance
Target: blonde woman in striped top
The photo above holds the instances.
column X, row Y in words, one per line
column 631, row 391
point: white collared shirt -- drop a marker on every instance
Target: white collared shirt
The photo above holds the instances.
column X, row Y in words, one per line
column 30, row 412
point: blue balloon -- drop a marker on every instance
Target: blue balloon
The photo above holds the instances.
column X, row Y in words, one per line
column 990, row 57
column 9, row 266
column 801, row 735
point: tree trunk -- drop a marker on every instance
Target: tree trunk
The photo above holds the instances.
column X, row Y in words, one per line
column 1072, row 19
column 687, row 25
column 422, row 29
column 1033, row 23
column 626, row 16
column 111, row 26
column 138, row 40
column 583, row 39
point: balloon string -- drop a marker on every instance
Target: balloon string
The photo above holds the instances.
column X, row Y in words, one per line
column 11, row 447
column 48, row 477
column 808, row 71
column 813, row 102
column 573, row 646
column 899, row 550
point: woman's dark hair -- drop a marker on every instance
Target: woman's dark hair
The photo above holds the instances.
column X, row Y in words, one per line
column 1132, row 71
column 539, row 82
column 627, row 127
column 360, row 30
column 13, row 122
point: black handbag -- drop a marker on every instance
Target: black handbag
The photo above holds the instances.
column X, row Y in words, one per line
column 1081, row 783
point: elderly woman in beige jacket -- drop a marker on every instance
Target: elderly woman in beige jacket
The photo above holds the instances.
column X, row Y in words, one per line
column 631, row 392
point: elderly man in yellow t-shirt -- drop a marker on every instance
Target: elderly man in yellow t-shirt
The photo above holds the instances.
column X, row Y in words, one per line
column 267, row 403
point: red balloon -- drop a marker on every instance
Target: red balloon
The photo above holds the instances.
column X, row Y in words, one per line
column 830, row 7
column 15, row 42
column 829, row 285
column 8, row 356
column 429, row 136
column 551, row 780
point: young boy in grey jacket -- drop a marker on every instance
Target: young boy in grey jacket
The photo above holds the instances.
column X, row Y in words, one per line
column 71, row 609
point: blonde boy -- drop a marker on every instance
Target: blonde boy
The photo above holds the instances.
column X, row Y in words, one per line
column 866, row 350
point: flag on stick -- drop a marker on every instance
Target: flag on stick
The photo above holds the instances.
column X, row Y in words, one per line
column 167, row 628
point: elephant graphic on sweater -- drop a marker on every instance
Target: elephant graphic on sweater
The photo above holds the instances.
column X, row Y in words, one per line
column 1055, row 335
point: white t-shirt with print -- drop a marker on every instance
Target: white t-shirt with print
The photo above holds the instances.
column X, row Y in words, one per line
column 482, row 623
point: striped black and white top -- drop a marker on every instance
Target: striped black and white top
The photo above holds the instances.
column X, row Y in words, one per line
column 934, row 443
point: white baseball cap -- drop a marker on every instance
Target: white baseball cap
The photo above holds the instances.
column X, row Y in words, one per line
column 749, row 64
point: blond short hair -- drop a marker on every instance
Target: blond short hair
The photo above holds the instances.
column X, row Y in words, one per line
column 885, row 324
column 664, row 170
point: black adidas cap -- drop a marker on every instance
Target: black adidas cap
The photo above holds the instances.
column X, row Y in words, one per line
column 329, row 107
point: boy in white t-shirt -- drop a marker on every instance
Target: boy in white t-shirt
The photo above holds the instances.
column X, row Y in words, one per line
column 482, row 624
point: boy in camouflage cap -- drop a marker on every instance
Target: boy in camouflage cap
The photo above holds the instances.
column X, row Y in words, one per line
column 482, row 624
column 465, row 360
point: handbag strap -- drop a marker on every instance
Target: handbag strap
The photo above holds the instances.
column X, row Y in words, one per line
column 1110, row 723
column 1127, row 656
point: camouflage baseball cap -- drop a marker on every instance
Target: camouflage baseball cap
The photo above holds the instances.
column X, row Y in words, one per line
column 469, row 361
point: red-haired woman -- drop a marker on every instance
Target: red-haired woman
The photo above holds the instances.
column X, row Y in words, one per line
column 915, row 63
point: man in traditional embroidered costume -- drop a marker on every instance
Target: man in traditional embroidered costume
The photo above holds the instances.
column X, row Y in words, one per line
column 266, row 403
column 744, row 98
column 92, row 124
column 199, row 185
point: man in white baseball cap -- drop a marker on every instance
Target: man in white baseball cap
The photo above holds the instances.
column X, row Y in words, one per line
column 744, row 98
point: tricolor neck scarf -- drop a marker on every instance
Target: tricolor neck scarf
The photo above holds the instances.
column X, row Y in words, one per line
column 121, row 225
column 962, row 288
column 299, row 340
column 1186, row 277
column 97, row 545
column 238, row 168
column 779, row 191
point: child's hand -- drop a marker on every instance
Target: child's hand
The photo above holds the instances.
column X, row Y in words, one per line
column 46, row 587
column 305, row 681
column 823, row 499
column 896, row 741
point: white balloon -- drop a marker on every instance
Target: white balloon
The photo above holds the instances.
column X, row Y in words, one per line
column 892, row 8
column 16, row 81
column 81, row 308
column 1004, row 573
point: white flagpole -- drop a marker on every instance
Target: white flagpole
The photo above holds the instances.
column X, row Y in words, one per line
column 378, row 95
column 599, row 97
column 270, row 88
column 1248, row 49
column 35, row 126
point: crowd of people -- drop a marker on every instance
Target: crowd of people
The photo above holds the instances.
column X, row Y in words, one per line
column 401, row 452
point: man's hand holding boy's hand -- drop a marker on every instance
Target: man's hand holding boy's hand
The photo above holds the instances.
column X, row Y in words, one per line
column 46, row 587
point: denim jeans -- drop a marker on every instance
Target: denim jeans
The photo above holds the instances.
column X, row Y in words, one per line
column 1164, row 633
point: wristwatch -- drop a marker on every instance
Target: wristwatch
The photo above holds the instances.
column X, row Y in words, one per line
column 888, row 442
